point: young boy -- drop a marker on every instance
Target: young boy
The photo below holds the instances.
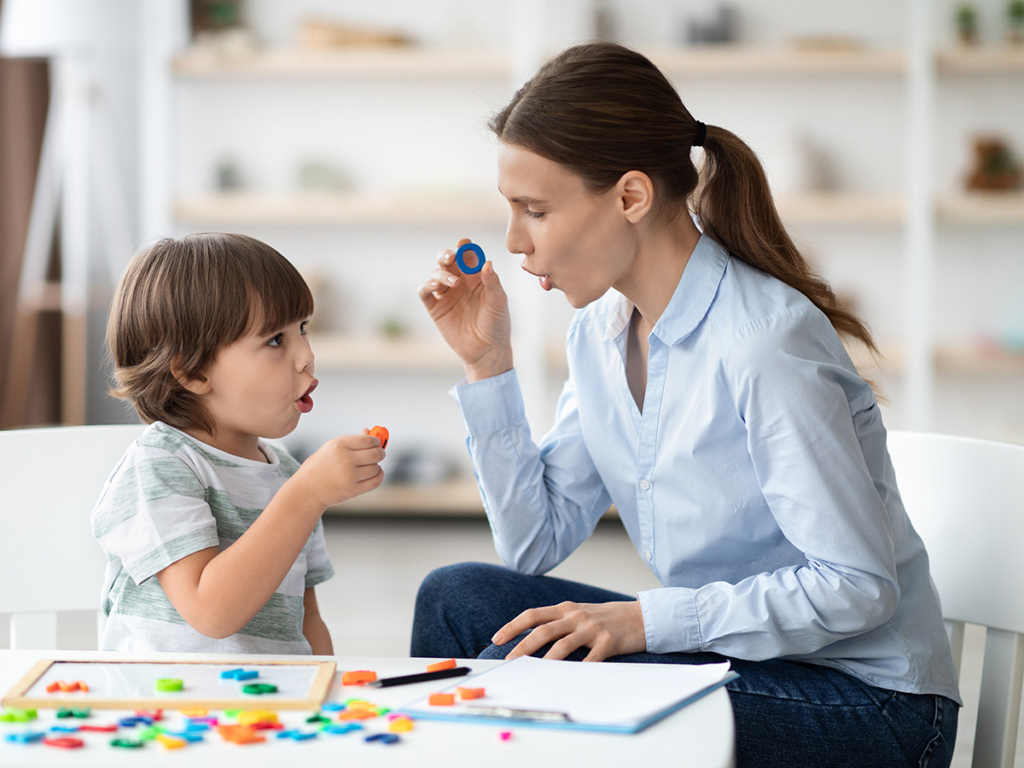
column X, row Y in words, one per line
column 208, row 339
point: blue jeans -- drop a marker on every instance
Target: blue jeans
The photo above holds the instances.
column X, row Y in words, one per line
column 787, row 713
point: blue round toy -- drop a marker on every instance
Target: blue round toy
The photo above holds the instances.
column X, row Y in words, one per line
column 480, row 258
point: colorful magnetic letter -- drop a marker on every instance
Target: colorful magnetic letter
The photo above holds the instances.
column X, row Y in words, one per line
column 382, row 433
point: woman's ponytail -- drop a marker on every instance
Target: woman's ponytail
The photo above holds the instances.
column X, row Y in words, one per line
column 733, row 203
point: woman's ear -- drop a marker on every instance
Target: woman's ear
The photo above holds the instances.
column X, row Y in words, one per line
column 198, row 385
column 636, row 195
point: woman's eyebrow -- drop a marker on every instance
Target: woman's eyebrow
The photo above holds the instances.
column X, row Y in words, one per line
column 527, row 200
column 523, row 199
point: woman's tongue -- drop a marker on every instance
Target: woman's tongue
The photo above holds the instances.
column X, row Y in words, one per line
column 545, row 282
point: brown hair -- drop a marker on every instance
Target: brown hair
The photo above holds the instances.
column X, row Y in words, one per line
column 181, row 301
column 601, row 110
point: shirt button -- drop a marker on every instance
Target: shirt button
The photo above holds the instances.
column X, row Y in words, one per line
column 644, row 485
column 647, row 554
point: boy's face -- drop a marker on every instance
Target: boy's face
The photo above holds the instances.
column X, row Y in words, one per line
column 259, row 386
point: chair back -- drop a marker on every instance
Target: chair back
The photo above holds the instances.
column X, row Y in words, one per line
column 51, row 479
column 965, row 497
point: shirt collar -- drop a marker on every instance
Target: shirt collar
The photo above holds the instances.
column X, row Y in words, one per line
column 690, row 302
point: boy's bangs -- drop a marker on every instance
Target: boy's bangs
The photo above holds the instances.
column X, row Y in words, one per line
column 279, row 299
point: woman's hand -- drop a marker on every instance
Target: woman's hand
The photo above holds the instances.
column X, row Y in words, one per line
column 471, row 312
column 607, row 629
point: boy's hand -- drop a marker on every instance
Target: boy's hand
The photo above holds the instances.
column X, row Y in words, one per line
column 342, row 468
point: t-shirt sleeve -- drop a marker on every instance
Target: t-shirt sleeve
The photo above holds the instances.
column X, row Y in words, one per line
column 153, row 512
column 318, row 564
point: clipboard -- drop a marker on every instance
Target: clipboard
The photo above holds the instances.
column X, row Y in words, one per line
column 609, row 697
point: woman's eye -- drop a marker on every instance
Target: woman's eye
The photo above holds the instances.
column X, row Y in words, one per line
column 535, row 214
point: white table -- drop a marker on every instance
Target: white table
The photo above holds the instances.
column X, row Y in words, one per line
column 700, row 734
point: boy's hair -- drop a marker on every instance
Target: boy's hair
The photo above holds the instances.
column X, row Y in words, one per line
column 180, row 302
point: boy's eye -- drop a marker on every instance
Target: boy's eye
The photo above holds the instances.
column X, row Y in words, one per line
column 302, row 328
column 276, row 341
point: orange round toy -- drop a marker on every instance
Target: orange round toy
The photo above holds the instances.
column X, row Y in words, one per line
column 382, row 433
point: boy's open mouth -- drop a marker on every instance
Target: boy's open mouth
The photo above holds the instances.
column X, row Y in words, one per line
column 306, row 402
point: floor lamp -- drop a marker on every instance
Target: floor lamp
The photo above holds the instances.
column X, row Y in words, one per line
column 77, row 182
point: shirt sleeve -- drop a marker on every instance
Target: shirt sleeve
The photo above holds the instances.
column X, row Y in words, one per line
column 318, row 564
column 808, row 416
column 542, row 501
column 153, row 513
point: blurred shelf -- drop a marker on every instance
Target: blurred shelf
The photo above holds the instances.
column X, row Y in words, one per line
column 398, row 63
column 456, row 498
column 948, row 359
column 431, row 64
column 982, row 208
column 378, row 354
column 975, row 360
column 981, row 61
column 441, row 208
column 726, row 60
column 459, row 63
column 305, row 209
column 840, row 208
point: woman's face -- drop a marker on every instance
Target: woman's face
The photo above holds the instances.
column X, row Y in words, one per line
column 571, row 239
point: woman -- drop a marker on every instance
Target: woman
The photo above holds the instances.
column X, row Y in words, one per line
column 711, row 400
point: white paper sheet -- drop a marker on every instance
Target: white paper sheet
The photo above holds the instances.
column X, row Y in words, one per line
column 598, row 695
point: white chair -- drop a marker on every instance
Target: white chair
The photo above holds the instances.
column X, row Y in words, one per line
column 966, row 499
column 49, row 481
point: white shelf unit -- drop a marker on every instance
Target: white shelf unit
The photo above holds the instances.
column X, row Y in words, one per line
column 915, row 358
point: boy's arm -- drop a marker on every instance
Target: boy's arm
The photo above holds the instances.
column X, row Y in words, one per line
column 218, row 593
column 313, row 626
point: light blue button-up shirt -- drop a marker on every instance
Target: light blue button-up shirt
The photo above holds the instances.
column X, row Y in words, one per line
column 755, row 484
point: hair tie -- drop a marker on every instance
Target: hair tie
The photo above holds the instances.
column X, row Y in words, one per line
column 702, row 132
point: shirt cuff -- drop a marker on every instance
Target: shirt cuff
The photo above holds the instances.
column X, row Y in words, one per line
column 671, row 624
column 319, row 575
column 490, row 405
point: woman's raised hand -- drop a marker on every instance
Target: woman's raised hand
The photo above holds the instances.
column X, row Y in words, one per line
column 471, row 312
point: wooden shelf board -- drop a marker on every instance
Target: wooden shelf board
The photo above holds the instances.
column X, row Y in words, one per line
column 366, row 354
column 837, row 207
column 981, row 60
column 302, row 209
column 973, row 360
column 455, row 498
column 399, row 63
column 982, row 208
column 948, row 359
column 730, row 60
column 305, row 209
column 427, row 63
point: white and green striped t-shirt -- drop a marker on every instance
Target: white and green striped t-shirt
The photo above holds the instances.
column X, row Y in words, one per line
column 171, row 496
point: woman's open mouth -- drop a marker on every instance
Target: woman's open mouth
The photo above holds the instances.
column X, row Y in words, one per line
column 306, row 402
column 545, row 280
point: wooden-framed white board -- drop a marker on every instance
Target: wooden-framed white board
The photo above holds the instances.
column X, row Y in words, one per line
column 300, row 684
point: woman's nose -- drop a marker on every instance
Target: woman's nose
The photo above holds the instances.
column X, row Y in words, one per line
column 516, row 240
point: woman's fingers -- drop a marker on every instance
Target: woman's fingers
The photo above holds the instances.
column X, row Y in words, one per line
column 607, row 629
column 558, row 632
column 528, row 619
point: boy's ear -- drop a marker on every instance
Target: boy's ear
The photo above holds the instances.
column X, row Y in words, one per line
column 199, row 385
